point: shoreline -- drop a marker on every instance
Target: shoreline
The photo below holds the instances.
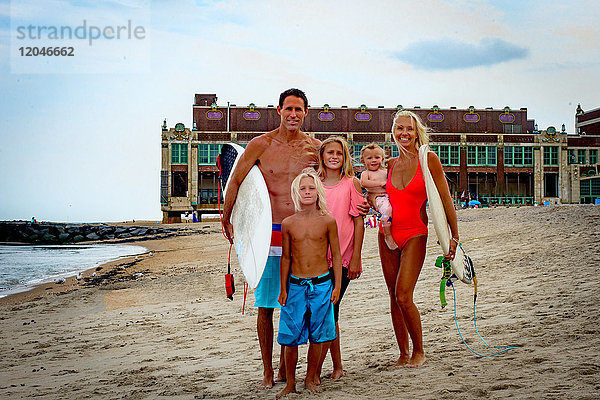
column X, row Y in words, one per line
column 40, row 290
column 33, row 283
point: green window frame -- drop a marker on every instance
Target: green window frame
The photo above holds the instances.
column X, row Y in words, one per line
column 551, row 155
column 481, row 155
column 581, row 156
column 356, row 154
column 208, row 153
column 518, row 156
column 179, row 153
column 572, row 159
column 589, row 190
column 395, row 152
column 449, row 155
column 593, row 156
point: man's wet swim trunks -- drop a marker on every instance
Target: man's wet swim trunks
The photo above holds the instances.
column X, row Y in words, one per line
column 267, row 291
column 308, row 312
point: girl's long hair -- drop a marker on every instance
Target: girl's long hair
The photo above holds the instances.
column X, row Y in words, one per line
column 321, row 202
column 347, row 168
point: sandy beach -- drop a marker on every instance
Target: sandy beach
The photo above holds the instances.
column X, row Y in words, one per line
column 171, row 332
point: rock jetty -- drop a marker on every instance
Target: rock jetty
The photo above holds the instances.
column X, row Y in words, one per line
column 57, row 233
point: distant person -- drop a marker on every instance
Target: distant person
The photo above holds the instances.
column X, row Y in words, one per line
column 344, row 196
column 374, row 179
column 307, row 292
column 401, row 268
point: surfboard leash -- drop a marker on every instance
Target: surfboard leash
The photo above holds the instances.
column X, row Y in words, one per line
column 448, row 279
column 504, row 347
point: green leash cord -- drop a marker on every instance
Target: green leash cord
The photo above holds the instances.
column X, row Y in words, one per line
column 444, row 264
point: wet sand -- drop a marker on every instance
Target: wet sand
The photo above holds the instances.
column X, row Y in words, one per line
column 172, row 333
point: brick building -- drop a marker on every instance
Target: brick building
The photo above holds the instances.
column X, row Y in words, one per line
column 498, row 155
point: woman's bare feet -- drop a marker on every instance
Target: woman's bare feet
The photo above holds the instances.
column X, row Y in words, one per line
column 416, row 360
column 402, row 361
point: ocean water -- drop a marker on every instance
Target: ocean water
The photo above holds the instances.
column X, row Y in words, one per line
column 22, row 267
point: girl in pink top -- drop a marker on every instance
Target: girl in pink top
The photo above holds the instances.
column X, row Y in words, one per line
column 343, row 193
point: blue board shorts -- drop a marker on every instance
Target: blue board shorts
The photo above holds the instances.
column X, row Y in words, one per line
column 267, row 291
column 308, row 312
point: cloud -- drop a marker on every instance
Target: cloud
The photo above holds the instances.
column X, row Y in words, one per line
column 447, row 54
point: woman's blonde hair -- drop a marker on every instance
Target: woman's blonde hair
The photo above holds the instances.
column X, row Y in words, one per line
column 421, row 129
column 347, row 168
column 372, row 146
column 321, row 202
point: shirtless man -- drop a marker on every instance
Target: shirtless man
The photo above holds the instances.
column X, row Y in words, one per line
column 280, row 155
column 307, row 291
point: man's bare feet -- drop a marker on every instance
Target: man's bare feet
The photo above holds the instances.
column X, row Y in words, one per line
column 267, row 382
column 337, row 374
column 286, row 390
column 402, row 361
column 416, row 360
column 312, row 387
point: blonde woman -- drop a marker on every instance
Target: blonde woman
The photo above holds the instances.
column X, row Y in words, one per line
column 401, row 267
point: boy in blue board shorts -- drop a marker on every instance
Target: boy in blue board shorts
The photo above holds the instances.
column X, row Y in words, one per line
column 307, row 291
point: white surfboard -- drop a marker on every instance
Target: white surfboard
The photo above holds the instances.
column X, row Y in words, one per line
column 440, row 223
column 250, row 217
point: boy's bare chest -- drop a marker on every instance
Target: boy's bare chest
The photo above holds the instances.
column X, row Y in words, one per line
column 304, row 231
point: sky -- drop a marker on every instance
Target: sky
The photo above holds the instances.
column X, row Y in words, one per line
column 81, row 134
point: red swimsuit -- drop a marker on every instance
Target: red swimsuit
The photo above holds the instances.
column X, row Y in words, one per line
column 406, row 208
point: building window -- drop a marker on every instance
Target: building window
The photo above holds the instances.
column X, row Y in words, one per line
column 208, row 153
column 572, row 159
column 481, row 155
column 551, row 155
column 593, row 156
column 581, row 156
column 179, row 153
column 551, row 185
column 356, row 155
column 210, row 196
column 510, row 128
column 395, row 152
column 164, row 187
column 180, row 185
column 449, row 155
column 589, row 190
column 517, row 156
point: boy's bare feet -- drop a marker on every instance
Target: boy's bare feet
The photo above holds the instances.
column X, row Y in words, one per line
column 286, row 390
column 312, row 387
column 267, row 382
column 337, row 374
column 416, row 360
column 281, row 377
